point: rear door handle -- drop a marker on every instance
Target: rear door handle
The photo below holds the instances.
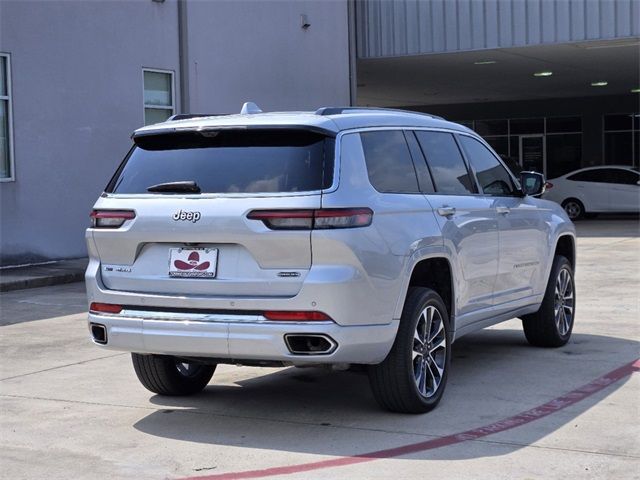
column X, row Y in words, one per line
column 503, row 210
column 446, row 211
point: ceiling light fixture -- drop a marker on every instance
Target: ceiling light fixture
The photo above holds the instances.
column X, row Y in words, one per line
column 599, row 84
column 485, row 62
column 543, row 74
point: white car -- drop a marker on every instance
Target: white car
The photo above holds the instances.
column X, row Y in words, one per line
column 609, row 188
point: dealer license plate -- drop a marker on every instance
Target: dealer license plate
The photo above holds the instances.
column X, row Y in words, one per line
column 193, row 262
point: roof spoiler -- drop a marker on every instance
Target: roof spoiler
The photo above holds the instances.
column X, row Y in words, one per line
column 247, row 108
column 187, row 116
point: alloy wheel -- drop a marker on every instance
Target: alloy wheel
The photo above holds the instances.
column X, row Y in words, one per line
column 563, row 302
column 429, row 351
column 573, row 210
column 187, row 369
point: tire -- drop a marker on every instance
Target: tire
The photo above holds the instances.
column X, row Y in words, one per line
column 574, row 208
column 166, row 375
column 547, row 327
column 406, row 381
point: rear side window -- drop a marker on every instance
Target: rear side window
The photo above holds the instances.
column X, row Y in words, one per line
column 264, row 161
column 448, row 170
column 389, row 162
column 492, row 175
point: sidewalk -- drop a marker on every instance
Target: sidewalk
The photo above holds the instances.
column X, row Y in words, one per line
column 64, row 271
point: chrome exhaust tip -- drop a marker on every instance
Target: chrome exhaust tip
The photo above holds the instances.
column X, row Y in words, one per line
column 98, row 333
column 310, row 343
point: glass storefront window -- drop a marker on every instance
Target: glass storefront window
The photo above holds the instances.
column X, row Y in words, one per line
column 499, row 144
column 564, row 125
column 618, row 148
column 618, row 122
column 564, row 154
column 492, row 127
column 524, row 126
column 621, row 145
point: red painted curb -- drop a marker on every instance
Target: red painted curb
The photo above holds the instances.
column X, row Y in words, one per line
column 520, row 419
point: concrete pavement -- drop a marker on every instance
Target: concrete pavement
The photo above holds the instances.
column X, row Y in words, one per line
column 42, row 275
column 71, row 410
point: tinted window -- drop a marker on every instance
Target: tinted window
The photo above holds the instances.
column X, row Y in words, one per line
column 616, row 175
column 388, row 161
column 492, row 176
column 606, row 175
column 449, row 172
column 587, row 176
column 229, row 162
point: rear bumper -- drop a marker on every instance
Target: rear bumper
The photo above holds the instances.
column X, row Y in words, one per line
column 184, row 335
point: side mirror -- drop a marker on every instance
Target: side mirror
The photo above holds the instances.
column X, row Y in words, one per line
column 533, row 183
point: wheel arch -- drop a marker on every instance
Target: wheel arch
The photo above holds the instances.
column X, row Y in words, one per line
column 566, row 246
column 436, row 273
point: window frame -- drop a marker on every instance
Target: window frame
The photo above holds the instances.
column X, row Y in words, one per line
column 8, row 99
column 471, row 173
column 171, row 108
column 515, row 184
column 423, row 171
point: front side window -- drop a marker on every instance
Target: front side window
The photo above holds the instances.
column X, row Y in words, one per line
column 448, row 170
column 626, row 177
column 492, row 176
column 619, row 176
column 389, row 163
column 6, row 153
column 158, row 96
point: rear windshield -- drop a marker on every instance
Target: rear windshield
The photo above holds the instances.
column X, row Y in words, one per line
column 264, row 161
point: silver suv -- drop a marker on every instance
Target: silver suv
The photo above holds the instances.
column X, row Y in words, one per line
column 345, row 236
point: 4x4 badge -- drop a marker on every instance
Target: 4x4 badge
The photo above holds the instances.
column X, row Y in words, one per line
column 188, row 216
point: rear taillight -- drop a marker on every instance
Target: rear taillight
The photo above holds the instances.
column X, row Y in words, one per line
column 105, row 308
column 110, row 218
column 288, row 316
column 325, row 218
column 548, row 185
column 284, row 219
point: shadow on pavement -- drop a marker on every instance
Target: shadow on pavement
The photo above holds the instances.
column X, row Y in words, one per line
column 607, row 226
column 494, row 375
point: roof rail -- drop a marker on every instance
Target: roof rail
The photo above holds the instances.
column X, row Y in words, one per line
column 340, row 110
column 186, row 116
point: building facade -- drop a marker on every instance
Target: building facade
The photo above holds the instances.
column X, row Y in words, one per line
column 553, row 84
column 79, row 76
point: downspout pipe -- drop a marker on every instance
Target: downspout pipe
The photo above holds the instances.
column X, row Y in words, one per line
column 183, row 54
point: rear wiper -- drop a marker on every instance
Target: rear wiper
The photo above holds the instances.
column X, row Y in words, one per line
column 188, row 186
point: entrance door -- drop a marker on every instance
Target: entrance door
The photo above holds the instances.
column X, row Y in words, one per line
column 533, row 153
